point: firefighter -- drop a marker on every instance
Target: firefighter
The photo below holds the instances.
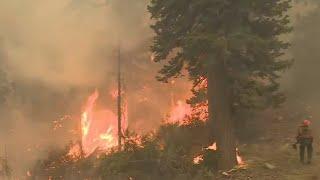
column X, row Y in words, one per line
column 305, row 140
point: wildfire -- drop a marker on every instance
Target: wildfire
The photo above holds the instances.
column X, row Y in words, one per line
column 152, row 57
column 179, row 112
column 99, row 127
column 114, row 93
column 85, row 124
column 239, row 158
column 198, row 159
column 58, row 124
column 75, row 152
column 213, row 147
column 108, row 135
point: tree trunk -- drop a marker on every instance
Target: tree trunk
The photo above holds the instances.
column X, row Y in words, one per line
column 220, row 115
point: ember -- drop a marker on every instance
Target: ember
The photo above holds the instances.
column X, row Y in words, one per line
column 75, row 152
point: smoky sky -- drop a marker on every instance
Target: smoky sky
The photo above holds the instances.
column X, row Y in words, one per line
column 65, row 42
column 55, row 53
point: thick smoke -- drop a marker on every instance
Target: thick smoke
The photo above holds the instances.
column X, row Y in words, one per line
column 53, row 54
column 63, row 43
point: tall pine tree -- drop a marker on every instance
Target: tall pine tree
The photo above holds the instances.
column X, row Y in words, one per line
column 233, row 45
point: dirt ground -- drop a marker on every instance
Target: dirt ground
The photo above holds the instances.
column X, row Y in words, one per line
column 272, row 156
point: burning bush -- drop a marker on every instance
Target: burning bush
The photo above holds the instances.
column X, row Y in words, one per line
column 165, row 154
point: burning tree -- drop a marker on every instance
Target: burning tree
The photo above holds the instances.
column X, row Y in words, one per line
column 234, row 46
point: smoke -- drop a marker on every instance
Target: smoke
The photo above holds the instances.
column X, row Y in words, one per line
column 300, row 82
column 65, row 43
column 52, row 54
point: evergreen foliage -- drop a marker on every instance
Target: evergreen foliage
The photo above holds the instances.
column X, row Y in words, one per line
column 192, row 34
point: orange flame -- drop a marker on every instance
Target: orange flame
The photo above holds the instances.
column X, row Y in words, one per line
column 213, row 147
column 114, row 93
column 75, row 152
column 239, row 158
column 152, row 57
column 198, row 159
column 29, row 174
column 179, row 112
column 99, row 128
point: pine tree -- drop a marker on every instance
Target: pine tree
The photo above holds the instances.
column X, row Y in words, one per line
column 232, row 45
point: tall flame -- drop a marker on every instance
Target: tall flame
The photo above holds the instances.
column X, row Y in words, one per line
column 99, row 127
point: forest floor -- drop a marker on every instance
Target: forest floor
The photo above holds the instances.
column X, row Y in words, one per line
column 272, row 156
